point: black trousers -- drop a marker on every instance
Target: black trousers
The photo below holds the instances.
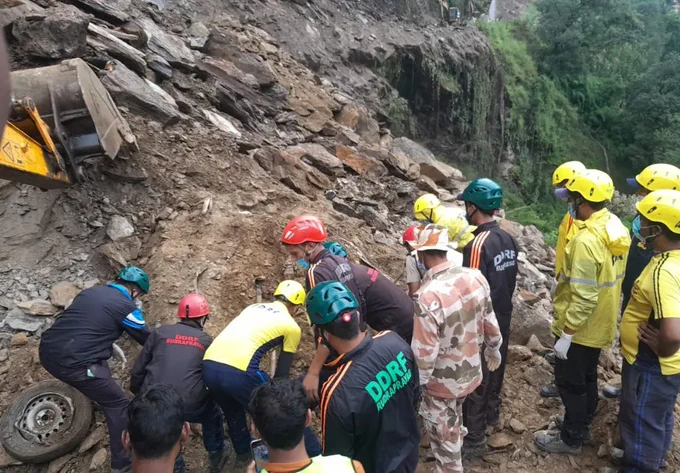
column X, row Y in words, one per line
column 576, row 379
column 96, row 383
column 483, row 406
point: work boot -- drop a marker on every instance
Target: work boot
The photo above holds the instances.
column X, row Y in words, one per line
column 218, row 459
column 551, row 441
column 587, row 437
column 475, row 450
column 550, row 390
column 611, row 392
column 550, row 357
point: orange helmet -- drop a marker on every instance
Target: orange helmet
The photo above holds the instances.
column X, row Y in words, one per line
column 303, row 229
column 193, row 306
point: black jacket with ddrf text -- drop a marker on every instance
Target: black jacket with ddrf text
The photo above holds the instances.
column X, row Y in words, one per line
column 494, row 253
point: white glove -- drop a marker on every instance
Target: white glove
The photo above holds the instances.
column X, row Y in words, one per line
column 493, row 358
column 562, row 346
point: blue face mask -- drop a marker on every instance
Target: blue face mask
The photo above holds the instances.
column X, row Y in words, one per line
column 636, row 228
column 301, row 263
column 572, row 210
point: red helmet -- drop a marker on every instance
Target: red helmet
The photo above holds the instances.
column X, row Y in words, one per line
column 192, row 306
column 409, row 235
column 304, row 229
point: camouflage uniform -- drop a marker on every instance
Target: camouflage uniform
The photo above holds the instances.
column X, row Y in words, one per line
column 454, row 317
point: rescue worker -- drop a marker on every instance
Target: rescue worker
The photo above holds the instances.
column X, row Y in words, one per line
column 383, row 305
column 280, row 413
column 428, row 208
column 561, row 176
column 454, row 317
column 231, row 365
column 650, row 339
column 173, row 356
column 494, row 253
column 367, row 412
column 75, row 348
column 415, row 270
column 586, row 306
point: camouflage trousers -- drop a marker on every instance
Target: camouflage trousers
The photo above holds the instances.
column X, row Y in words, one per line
column 443, row 421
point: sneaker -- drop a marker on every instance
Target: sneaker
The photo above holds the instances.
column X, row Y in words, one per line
column 559, row 420
column 611, row 392
column 550, row 390
column 218, row 459
column 477, row 450
column 551, row 441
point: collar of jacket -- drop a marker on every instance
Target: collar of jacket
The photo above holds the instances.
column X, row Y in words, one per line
column 350, row 355
column 322, row 254
column 594, row 220
column 190, row 323
column 485, row 226
column 440, row 268
column 121, row 289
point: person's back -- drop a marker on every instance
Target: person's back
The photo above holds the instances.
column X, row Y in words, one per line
column 85, row 332
column 173, row 356
column 258, row 329
column 368, row 407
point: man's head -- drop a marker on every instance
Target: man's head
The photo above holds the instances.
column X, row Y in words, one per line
column 303, row 236
column 194, row 307
column 280, row 412
column 587, row 193
column 426, row 208
column 566, row 172
column 291, row 294
column 654, row 178
column 432, row 245
column 659, row 220
column 482, row 197
column 156, row 429
column 135, row 279
column 333, row 308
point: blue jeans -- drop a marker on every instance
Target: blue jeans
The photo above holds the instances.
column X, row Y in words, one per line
column 232, row 388
column 211, row 420
column 646, row 415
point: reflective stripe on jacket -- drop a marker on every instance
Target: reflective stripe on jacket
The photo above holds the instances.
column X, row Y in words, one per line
column 588, row 291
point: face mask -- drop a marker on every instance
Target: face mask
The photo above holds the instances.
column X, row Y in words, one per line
column 572, row 210
column 301, row 263
column 636, row 228
column 637, row 231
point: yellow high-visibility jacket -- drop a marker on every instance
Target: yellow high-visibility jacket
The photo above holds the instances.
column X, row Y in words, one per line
column 460, row 231
column 564, row 234
column 588, row 290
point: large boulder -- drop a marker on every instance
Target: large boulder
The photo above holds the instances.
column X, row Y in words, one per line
column 360, row 163
column 56, row 33
column 16, row 10
column 291, row 171
column 528, row 320
column 317, row 156
column 167, row 45
column 359, row 119
column 439, row 172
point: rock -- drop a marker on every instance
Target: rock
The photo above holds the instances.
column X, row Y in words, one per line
column 517, row 426
column 518, row 353
column 63, row 293
column 99, row 459
column 292, row 172
column 222, row 123
column 159, row 65
column 56, row 466
column 527, row 321
column 57, row 33
column 105, row 41
column 608, row 360
column 438, row 171
column 317, row 156
column 6, row 302
column 413, row 151
column 90, row 283
column 426, row 184
column 4, row 354
column 130, row 90
column 18, row 9
column 167, row 45
column 349, row 115
column 224, row 70
column 18, row 340
column 379, row 237
column 93, row 439
column 119, row 228
column 499, row 440
column 18, row 320
column 602, row 451
column 38, row 307
column 359, row 163
column 341, row 206
column 537, row 376
column 123, row 251
column 110, row 10
column 413, row 172
column 534, row 344
column 374, row 218
column 528, row 297
column 198, row 35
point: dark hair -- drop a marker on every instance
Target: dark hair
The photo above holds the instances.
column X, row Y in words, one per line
column 596, row 206
column 155, row 420
column 673, row 237
column 279, row 411
column 344, row 329
column 436, row 253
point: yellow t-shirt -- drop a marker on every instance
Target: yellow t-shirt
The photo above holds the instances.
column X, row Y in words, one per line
column 655, row 295
column 258, row 329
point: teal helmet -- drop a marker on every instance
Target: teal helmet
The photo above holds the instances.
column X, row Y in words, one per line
column 328, row 301
column 135, row 275
column 484, row 193
column 336, row 248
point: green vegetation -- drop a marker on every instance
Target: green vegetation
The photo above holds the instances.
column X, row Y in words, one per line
column 592, row 80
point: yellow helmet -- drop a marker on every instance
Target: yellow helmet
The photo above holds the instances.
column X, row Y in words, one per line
column 567, row 171
column 422, row 209
column 292, row 291
column 662, row 207
column 657, row 177
column 593, row 185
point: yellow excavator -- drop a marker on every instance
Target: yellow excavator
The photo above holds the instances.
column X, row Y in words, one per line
column 60, row 115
